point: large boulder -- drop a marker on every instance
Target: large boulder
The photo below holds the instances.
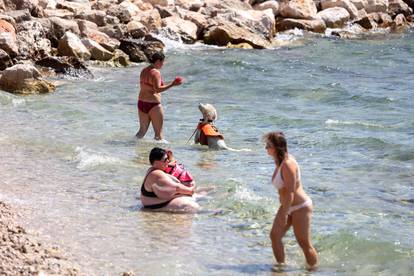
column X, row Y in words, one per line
column 104, row 40
column 5, row 60
column 371, row 6
column 65, row 65
column 313, row 25
column 136, row 29
column 197, row 18
column 346, row 4
column 396, row 7
column 124, row 11
column 59, row 27
column 359, row 4
column 70, row 45
column 97, row 17
column 32, row 39
column 19, row 15
column 176, row 28
column 6, row 27
column 224, row 32
column 21, row 4
column 8, row 40
column 24, row 79
column 383, row 20
column 273, row 5
column 47, row 4
column 117, row 31
column 334, row 17
column 299, row 9
column 139, row 50
column 97, row 51
column 150, row 19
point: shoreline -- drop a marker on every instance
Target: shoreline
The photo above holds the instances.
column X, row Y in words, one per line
column 23, row 253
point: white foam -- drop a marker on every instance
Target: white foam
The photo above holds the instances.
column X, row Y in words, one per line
column 8, row 98
column 244, row 194
column 365, row 124
column 87, row 159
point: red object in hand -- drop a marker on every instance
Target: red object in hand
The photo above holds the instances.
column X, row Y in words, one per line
column 179, row 79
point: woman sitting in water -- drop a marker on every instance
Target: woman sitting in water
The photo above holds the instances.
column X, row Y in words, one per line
column 163, row 192
column 295, row 205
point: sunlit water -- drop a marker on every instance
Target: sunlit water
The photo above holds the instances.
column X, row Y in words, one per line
column 69, row 160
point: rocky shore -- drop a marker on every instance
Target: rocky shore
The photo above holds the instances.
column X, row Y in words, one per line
column 23, row 254
column 58, row 36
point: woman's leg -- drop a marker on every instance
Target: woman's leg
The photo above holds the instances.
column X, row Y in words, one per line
column 182, row 204
column 301, row 221
column 156, row 115
column 276, row 235
column 144, row 121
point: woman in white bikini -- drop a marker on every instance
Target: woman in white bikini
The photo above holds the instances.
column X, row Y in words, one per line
column 295, row 205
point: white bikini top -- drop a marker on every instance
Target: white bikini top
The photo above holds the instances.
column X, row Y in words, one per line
column 277, row 180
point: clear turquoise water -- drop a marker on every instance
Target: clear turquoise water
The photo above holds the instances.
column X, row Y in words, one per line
column 70, row 162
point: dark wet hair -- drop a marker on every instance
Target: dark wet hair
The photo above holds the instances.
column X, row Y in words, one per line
column 156, row 56
column 278, row 141
column 156, row 154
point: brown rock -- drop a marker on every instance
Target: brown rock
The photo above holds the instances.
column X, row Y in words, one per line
column 176, row 28
column 96, row 50
column 19, row 15
column 396, row 7
column 71, row 45
column 316, row 25
column 299, row 9
column 65, row 65
column 334, row 17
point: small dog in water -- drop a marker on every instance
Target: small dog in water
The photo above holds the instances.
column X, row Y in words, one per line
column 206, row 132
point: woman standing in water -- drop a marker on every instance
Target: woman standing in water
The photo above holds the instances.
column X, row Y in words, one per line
column 295, row 205
column 149, row 100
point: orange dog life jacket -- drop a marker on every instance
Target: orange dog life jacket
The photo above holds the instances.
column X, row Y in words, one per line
column 206, row 130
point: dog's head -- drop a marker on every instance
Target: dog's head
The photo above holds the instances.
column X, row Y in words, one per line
column 208, row 111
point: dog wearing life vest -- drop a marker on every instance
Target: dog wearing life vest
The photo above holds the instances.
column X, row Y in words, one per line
column 206, row 133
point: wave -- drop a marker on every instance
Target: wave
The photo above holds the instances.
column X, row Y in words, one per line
column 15, row 101
column 351, row 123
column 88, row 159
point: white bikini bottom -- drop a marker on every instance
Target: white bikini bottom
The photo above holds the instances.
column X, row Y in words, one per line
column 307, row 203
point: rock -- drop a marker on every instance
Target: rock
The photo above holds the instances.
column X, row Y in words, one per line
column 104, row 40
column 60, row 26
column 382, row 19
column 124, row 11
column 24, row 78
column 74, row 7
column 120, row 59
column 9, row 44
column 6, row 27
column 299, row 9
column 314, row 25
column 65, row 65
column 400, row 20
column 86, row 26
column 165, row 11
column 150, row 19
column 21, row 4
column 224, row 32
column 97, row 17
column 227, row 4
column 371, row 6
column 197, row 18
column 136, row 29
column 32, row 39
column 19, row 15
column 359, row 4
column 396, row 7
column 162, row 3
column 62, row 13
column 273, row 5
column 239, row 46
column 346, row 4
column 117, row 31
column 47, row 4
column 5, row 60
column 139, row 50
column 71, row 45
column 176, row 28
column 96, row 50
column 410, row 3
column 334, row 17
column 365, row 21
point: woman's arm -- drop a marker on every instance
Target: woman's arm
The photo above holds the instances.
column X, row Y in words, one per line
column 165, row 187
column 156, row 80
column 287, row 193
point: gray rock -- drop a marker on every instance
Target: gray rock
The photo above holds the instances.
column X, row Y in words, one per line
column 19, row 15
column 5, row 60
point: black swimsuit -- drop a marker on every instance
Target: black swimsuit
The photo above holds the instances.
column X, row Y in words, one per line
column 144, row 192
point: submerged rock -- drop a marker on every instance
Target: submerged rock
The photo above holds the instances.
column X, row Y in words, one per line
column 65, row 65
column 24, row 79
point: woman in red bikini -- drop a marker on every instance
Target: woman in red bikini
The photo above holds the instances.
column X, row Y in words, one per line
column 149, row 100
column 295, row 205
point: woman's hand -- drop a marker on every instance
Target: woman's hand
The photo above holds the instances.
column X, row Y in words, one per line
column 178, row 80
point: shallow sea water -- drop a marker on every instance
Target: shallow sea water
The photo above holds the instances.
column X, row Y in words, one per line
column 69, row 160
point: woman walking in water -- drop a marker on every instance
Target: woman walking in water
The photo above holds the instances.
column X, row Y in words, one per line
column 149, row 100
column 295, row 205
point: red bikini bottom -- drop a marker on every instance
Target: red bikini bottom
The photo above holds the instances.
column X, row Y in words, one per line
column 146, row 106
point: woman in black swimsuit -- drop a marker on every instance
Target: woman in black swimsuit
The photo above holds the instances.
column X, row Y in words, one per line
column 162, row 191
